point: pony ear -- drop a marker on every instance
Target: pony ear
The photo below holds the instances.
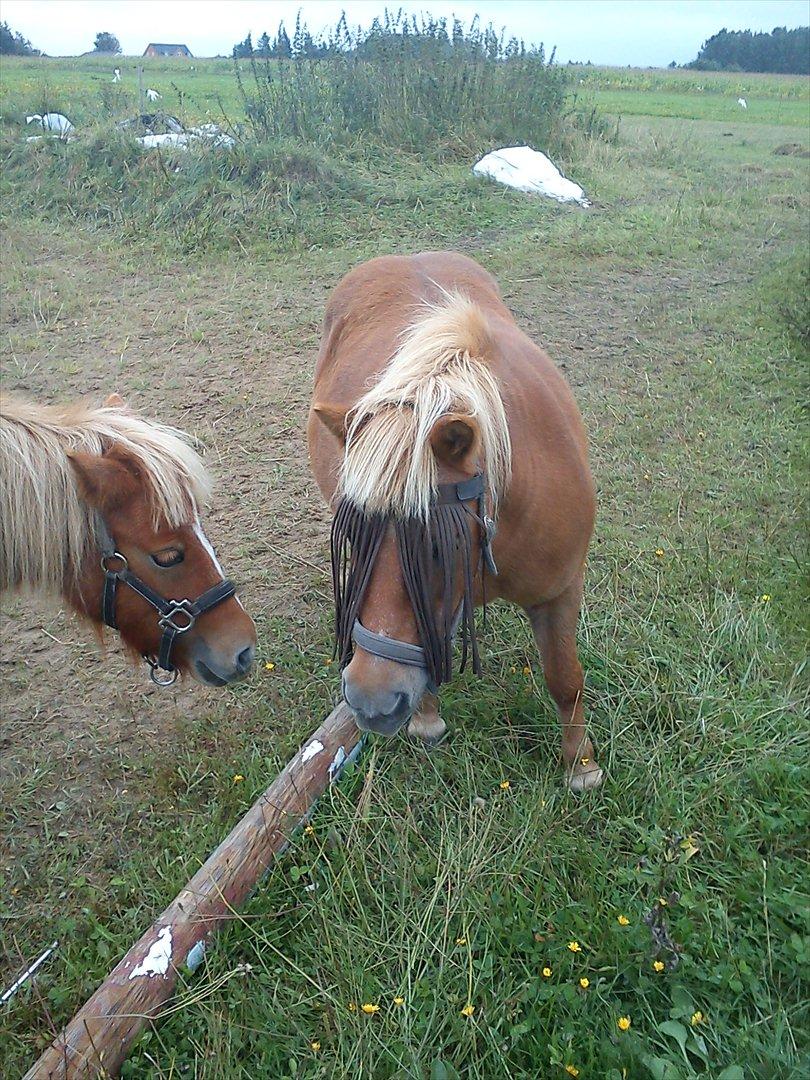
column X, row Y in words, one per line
column 105, row 481
column 115, row 401
column 454, row 439
column 333, row 418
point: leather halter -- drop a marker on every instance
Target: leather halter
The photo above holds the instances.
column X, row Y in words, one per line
column 176, row 617
column 404, row 652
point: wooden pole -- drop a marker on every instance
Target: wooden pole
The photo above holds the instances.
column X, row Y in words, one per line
column 99, row 1036
column 141, row 109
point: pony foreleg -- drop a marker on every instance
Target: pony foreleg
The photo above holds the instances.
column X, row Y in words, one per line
column 426, row 724
column 554, row 625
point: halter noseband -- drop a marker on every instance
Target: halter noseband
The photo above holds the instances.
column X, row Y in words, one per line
column 403, row 652
column 176, row 616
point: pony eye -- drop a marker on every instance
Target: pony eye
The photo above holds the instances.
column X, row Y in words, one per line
column 167, row 557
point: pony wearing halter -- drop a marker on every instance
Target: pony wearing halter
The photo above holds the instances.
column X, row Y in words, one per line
column 424, row 387
column 74, row 477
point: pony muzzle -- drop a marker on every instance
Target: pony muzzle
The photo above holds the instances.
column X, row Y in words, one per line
column 382, row 694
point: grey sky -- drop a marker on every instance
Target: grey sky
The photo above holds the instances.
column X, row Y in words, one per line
column 638, row 32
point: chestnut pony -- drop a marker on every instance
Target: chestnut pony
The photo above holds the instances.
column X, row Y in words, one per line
column 100, row 506
column 455, row 459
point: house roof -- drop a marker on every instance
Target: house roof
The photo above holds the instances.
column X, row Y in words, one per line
column 167, row 48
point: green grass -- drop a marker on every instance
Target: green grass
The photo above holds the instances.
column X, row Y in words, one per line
column 677, row 307
column 761, row 110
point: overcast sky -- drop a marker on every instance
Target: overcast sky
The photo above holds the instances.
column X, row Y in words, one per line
column 638, row 32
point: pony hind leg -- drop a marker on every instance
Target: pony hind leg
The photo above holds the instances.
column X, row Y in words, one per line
column 426, row 725
column 554, row 625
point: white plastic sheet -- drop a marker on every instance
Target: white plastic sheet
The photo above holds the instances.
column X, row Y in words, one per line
column 528, row 170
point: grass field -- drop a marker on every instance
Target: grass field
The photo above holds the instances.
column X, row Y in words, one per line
column 677, row 309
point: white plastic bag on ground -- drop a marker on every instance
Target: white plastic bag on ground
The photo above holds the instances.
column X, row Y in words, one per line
column 52, row 121
column 528, row 170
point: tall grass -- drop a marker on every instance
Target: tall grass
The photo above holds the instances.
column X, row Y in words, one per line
column 411, row 86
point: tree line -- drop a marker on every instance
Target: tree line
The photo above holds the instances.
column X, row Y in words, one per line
column 782, row 51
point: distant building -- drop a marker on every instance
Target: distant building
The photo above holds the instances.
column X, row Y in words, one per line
column 167, row 50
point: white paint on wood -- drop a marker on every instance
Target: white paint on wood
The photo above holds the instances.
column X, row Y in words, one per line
column 157, row 960
column 311, row 750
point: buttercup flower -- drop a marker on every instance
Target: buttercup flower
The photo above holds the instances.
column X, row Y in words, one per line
column 584, row 983
column 658, row 965
column 623, row 1023
column 370, row 1009
column 399, row 1000
column 461, row 941
column 572, row 1070
column 504, row 785
column 622, row 920
column 659, row 553
column 269, row 666
column 238, row 778
column 765, row 597
column 351, row 1007
column 315, row 1047
column 697, row 1018
column 468, row 1010
column 527, row 671
column 546, row 972
column 663, row 902
column 574, row 946
column 309, row 831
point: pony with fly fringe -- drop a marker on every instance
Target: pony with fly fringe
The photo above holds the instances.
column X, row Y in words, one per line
column 455, row 461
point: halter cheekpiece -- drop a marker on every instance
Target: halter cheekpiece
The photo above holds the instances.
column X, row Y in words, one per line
column 176, row 617
column 449, row 531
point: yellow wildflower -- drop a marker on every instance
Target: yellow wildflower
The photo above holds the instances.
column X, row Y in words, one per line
column 765, row 597
column 658, row 965
column 584, row 760
column 663, row 902
column 623, row 1023
column 238, row 778
column 309, row 831
column 461, row 941
column 370, row 1009
column 269, row 666
column 399, row 1000
column 574, row 946
column 697, row 1018
column 527, row 671
column 504, row 785
column 584, row 983
column 659, row 553
column 328, row 662
column 315, row 1046
column 351, row 1007
column 572, row 1070
column 622, row 920
column 546, row 972
column 468, row 1010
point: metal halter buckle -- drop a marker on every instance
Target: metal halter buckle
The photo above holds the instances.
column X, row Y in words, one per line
column 178, row 607
column 114, row 555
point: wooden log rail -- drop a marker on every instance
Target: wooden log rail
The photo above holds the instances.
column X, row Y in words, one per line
column 98, row 1038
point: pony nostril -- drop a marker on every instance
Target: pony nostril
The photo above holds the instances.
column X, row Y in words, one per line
column 244, row 661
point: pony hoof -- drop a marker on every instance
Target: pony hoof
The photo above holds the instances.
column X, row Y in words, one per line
column 587, row 780
column 430, row 736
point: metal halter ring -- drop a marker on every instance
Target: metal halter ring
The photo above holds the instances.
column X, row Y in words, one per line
column 160, row 676
column 114, row 555
column 178, row 607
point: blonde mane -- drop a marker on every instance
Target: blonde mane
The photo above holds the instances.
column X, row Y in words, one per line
column 46, row 531
column 440, row 368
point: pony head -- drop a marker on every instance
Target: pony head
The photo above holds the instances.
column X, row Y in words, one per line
column 145, row 494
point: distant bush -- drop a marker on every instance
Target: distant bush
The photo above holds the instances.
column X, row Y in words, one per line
column 12, row 43
column 423, row 86
column 782, row 51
